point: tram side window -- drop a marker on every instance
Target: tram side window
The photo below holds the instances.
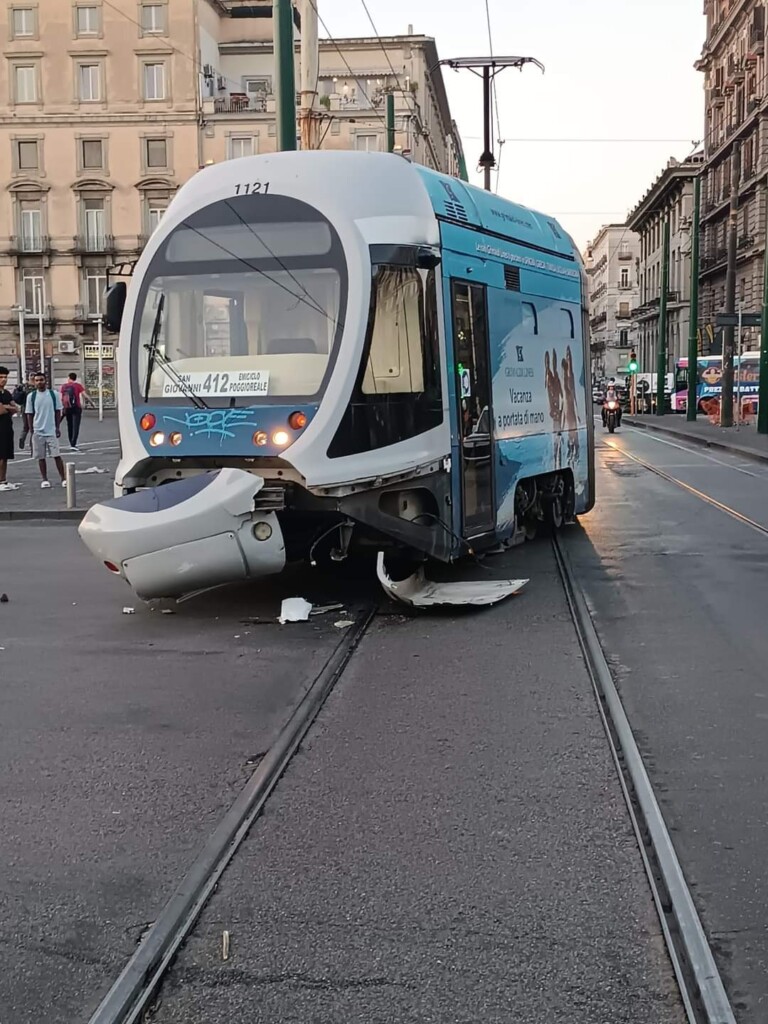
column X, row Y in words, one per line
column 568, row 325
column 398, row 394
column 530, row 318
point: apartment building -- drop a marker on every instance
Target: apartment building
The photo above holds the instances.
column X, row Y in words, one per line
column 611, row 264
column 106, row 109
column 669, row 198
column 736, row 150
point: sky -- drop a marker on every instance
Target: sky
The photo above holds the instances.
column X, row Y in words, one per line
column 617, row 71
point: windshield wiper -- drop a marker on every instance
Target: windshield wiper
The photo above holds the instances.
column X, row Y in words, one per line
column 155, row 355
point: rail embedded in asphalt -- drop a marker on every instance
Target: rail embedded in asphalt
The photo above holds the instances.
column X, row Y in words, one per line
column 132, row 992
column 701, row 987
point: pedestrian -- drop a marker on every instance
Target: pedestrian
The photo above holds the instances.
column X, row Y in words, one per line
column 43, row 413
column 7, row 410
column 72, row 396
column 20, row 393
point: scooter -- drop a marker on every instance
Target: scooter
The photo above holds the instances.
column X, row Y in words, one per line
column 611, row 415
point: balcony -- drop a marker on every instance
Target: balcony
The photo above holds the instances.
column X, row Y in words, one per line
column 757, row 40
column 22, row 245
column 717, row 96
column 624, row 256
column 94, row 243
column 745, row 242
column 239, row 103
column 599, row 320
column 736, row 69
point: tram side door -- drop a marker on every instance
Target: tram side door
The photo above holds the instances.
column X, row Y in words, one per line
column 473, row 394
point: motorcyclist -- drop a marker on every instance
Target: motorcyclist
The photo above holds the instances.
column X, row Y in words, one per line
column 612, row 395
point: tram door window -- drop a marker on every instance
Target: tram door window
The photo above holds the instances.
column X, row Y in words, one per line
column 473, row 388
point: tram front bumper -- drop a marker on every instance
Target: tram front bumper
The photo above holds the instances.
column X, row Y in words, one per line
column 186, row 536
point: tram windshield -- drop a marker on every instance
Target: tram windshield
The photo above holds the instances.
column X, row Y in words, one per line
column 245, row 300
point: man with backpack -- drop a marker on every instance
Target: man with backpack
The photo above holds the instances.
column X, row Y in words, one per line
column 43, row 412
column 7, row 409
column 72, row 395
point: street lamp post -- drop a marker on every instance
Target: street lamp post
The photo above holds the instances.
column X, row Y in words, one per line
column 22, row 345
column 100, row 340
column 40, row 295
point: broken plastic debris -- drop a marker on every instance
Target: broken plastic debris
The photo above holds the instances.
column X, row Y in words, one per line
column 323, row 609
column 294, row 609
column 91, row 469
column 167, row 611
column 225, row 945
column 420, row 592
column 343, row 623
column 128, row 611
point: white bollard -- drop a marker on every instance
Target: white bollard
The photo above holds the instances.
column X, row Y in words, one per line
column 71, row 489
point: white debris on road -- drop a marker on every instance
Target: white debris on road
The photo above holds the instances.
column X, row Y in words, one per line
column 294, row 609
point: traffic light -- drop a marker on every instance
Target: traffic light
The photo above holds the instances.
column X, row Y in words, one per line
column 632, row 365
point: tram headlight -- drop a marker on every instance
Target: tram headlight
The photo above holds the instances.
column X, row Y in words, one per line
column 280, row 438
column 260, row 438
column 297, row 420
column 147, row 421
column 175, row 438
column 157, row 438
column 262, row 531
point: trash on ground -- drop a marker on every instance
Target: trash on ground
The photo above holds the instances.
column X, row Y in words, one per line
column 420, row 592
column 91, row 469
column 3, row 599
column 167, row 611
column 129, row 611
column 344, row 623
column 225, row 945
column 323, row 609
column 294, row 609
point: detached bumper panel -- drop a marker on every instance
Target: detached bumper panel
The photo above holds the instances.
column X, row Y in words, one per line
column 188, row 535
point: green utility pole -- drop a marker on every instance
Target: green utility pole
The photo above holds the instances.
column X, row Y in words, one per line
column 693, row 315
column 729, row 346
column 285, row 74
column 390, row 122
column 661, row 362
column 762, row 388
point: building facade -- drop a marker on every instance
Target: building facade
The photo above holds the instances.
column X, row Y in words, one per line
column 736, row 151
column 106, row 109
column 669, row 198
column 611, row 263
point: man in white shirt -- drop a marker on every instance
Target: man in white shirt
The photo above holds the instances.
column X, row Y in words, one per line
column 43, row 414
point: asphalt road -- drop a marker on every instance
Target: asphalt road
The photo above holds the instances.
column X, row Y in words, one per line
column 678, row 590
column 451, row 845
column 124, row 739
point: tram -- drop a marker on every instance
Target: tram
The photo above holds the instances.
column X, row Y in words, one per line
column 323, row 352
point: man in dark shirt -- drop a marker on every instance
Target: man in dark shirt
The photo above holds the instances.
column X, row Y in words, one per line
column 7, row 410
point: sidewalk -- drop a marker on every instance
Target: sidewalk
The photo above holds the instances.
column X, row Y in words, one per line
column 95, row 466
column 742, row 440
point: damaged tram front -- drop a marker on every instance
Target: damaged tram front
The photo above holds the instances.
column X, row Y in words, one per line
column 326, row 352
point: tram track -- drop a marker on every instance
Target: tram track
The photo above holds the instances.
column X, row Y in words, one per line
column 135, row 988
column 701, row 987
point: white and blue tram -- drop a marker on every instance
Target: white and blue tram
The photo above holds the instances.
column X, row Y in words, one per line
column 325, row 351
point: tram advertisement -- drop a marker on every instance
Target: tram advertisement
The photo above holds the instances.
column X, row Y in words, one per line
column 538, row 376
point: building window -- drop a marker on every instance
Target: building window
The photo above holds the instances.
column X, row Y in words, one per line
column 27, row 155
column 24, row 26
column 623, row 338
column 92, row 154
column 625, row 277
column 93, row 223
column 154, row 81
column 94, row 286
column 153, row 19
column 31, row 224
column 623, row 309
column 25, row 81
column 155, row 211
column 241, row 145
column 88, row 82
column 367, row 143
column 33, row 291
column 87, row 21
column 156, row 152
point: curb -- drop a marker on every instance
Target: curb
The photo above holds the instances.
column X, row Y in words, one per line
column 702, row 442
column 55, row 514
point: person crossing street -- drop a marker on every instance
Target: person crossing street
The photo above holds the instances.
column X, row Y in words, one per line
column 73, row 394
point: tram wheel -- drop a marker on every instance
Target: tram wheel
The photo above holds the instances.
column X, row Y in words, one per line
column 553, row 514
